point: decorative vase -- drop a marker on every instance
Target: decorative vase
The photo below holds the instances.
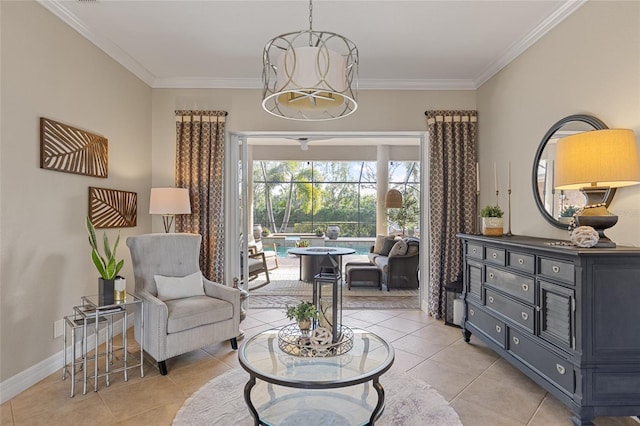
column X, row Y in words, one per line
column 304, row 326
column 120, row 289
column 333, row 231
column 257, row 231
column 106, row 291
column 492, row 226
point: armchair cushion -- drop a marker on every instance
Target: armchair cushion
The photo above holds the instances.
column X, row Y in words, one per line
column 377, row 247
column 399, row 249
column 389, row 242
column 192, row 312
column 170, row 288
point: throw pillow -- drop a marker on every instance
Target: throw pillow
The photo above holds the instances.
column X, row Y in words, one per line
column 399, row 249
column 387, row 246
column 378, row 244
column 179, row 287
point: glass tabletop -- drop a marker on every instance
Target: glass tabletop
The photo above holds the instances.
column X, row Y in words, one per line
column 370, row 357
column 93, row 300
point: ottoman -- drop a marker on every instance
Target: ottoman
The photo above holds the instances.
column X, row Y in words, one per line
column 362, row 274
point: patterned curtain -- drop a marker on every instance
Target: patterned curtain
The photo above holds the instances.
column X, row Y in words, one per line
column 200, row 168
column 452, row 196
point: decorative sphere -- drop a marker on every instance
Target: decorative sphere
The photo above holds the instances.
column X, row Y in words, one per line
column 584, row 236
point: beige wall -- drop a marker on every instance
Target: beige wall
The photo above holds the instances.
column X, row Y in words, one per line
column 49, row 70
column 589, row 64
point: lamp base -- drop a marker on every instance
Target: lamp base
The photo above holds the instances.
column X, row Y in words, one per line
column 599, row 223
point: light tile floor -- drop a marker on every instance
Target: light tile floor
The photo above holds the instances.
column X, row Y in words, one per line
column 481, row 387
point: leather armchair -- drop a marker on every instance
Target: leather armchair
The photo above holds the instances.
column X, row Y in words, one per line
column 177, row 326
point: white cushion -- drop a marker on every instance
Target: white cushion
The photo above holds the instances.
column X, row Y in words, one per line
column 170, row 288
column 399, row 249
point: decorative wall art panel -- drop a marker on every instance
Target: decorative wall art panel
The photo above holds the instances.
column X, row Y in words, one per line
column 67, row 149
column 110, row 208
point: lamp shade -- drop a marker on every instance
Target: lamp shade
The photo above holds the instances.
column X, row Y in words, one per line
column 598, row 158
column 168, row 201
column 393, row 199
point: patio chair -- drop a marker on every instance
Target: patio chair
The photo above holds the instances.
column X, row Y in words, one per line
column 270, row 253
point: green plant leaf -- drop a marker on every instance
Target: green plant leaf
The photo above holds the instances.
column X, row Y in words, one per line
column 107, row 249
column 92, row 234
column 99, row 263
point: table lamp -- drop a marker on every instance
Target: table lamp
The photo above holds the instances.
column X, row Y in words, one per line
column 169, row 202
column 595, row 162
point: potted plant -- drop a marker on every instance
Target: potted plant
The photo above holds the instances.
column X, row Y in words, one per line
column 303, row 313
column 303, row 243
column 107, row 266
column 265, row 232
column 492, row 223
column 407, row 215
column 319, row 232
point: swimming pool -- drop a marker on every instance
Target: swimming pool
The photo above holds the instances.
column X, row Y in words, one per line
column 360, row 248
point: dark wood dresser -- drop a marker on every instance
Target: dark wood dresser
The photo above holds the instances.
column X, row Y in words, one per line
column 567, row 317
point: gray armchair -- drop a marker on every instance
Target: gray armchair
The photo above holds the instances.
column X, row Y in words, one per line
column 176, row 326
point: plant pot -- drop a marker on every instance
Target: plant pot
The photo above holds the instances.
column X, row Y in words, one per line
column 492, row 226
column 304, row 326
column 106, row 291
column 333, row 231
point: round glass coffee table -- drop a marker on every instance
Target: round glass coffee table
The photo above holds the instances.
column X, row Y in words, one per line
column 315, row 390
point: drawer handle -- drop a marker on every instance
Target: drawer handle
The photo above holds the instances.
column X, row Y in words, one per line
column 521, row 261
column 555, row 268
column 525, row 287
column 560, row 369
column 516, row 341
column 491, row 275
column 490, row 299
column 494, row 255
column 525, row 316
column 471, row 312
column 498, row 329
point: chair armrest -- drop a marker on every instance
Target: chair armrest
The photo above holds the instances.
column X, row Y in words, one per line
column 219, row 291
column 156, row 316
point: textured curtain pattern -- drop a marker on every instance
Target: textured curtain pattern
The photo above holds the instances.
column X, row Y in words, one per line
column 200, row 168
column 452, row 200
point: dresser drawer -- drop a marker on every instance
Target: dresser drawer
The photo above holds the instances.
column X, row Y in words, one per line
column 521, row 262
column 511, row 309
column 516, row 285
column 552, row 367
column 493, row 328
column 474, row 251
column 494, row 255
column 557, row 270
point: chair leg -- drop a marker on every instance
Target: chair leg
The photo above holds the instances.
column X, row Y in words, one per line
column 162, row 365
column 234, row 343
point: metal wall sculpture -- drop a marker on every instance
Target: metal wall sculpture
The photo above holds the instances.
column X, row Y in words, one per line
column 110, row 208
column 66, row 149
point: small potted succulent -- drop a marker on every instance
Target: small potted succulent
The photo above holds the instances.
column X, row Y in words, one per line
column 492, row 222
column 319, row 232
column 303, row 243
column 107, row 266
column 265, row 232
column 303, row 313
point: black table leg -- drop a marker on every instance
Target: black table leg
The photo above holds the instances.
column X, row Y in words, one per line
column 247, row 398
column 380, row 406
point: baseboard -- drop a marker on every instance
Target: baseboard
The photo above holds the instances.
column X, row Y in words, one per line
column 29, row 377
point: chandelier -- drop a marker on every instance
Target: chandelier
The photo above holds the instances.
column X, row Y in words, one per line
column 310, row 75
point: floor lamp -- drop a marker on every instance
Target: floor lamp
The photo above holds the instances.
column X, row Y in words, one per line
column 169, row 202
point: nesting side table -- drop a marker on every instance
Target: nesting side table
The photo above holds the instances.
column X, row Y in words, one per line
column 92, row 313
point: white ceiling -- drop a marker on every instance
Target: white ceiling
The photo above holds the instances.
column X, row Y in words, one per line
column 402, row 44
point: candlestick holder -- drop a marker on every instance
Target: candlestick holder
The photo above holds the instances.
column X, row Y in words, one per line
column 509, row 234
column 478, row 219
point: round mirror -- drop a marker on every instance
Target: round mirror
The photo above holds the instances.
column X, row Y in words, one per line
column 557, row 206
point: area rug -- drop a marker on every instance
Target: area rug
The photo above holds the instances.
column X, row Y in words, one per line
column 409, row 402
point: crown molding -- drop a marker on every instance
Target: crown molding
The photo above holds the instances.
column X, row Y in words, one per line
column 57, row 8
column 527, row 41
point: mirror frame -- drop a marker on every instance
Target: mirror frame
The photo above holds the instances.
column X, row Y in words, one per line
column 597, row 124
